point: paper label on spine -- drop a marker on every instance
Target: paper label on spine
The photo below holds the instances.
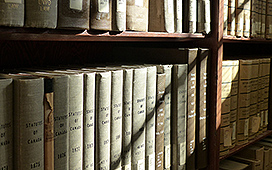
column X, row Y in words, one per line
column 262, row 118
column 104, row 6
column 167, row 153
column 182, row 154
column 266, row 117
column 76, row 4
column 255, row 124
column 139, row 3
column 151, row 161
column 227, row 136
column 127, row 167
column 233, row 136
column 179, row 9
column 121, row 6
column 141, row 165
column 246, row 128
column 13, row 1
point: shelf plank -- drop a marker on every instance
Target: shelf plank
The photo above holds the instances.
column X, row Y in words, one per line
column 233, row 39
column 30, row 34
column 240, row 147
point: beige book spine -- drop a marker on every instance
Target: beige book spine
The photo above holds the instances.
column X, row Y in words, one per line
column 226, row 9
column 150, row 117
column 167, row 116
column 259, row 21
column 231, row 18
column 169, row 16
column 260, row 97
column 200, row 16
column 190, row 16
column 101, row 15
column 137, row 15
column 178, row 116
column 266, row 75
column 239, row 17
column 103, row 115
column 127, row 119
column 89, row 121
column 263, row 18
column 119, row 15
column 28, row 123
column 6, row 123
column 116, row 118
column 178, row 16
column 12, row 17
column 139, row 118
column 254, row 18
column 269, row 20
column 247, row 8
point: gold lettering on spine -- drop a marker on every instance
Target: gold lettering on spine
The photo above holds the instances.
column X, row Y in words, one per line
column 13, row 6
column 45, row 5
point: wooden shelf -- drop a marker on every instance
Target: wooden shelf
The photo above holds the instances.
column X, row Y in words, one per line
column 233, row 39
column 240, row 147
column 29, row 34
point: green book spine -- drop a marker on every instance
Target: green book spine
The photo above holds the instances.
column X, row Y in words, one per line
column 12, row 13
column 41, row 14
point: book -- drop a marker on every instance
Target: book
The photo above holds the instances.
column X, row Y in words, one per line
column 101, row 15
column 6, row 123
column 161, row 16
column 138, row 117
column 259, row 21
column 201, row 111
column 228, row 164
column 263, row 18
column 178, row 9
column 103, row 118
column 41, row 14
column 119, row 15
column 150, row 117
column 255, row 164
column 117, row 77
column 28, row 122
column 160, row 111
column 247, row 15
column 89, row 113
column 137, row 15
column 13, row 12
column 265, row 62
column 226, row 8
column 203, row 16
column 239, row 18
column 189, row 16
column 73, row 14
column 167, row 69
column 254, row 18
column 243, row 101
column 191, row 55
column 179, row 116
column 268, row 23
column 127, row 119
column 231, row 17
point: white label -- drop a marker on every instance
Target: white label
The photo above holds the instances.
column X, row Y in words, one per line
column 76, row 4
column 270, row 28
column 151, row 161
column 127, row 167
column 182, row 154
column 266, row 117
column 104, row 6
column 167, row 157
column 262, row 118
column 139, row 3
column 233, row 136
column 179, row 9
column 13, row 1
column 141, row 165
column 246, row 128
column 121, row 5
column 227, row 136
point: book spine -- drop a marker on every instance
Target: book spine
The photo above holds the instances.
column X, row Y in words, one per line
column 269, row 20
column 119, row 15
column 243, row 101
column 226, row 8
column 41, row 14
column 207, row 21
column 74, row 14
column 116, row 118
column 254, row 18
column 101, row 15
column 48, row 124
column 169, row 16
column 6, row 123
column 156, row 16
column 263, row 18
column 266, row 75
column 239, row 17
column 103, row 114
column 247, row 8
column 150, row 117
column 191, row 110
column 139, row 117
column 260, row 97
column 190, row 8
column 259, row 23
column 160, row 107
column 178, row 116
column 127, row 119
column 231, row 18
column 28, row 124
column 200, row 15
column 178, row 16
column 167, row 117
column 201, row 130
column 12, row 13
column 137, row 15
column 75, row 121
column 61, row 122
column 234, row 100
column 89, row 121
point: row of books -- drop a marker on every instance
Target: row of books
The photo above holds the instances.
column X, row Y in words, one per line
column 255, row 157
column 179, row 16
column 248, row 18
column 129, row 117
column 245, row 93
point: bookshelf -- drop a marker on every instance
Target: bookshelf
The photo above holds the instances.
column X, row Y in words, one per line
column 21, row 47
